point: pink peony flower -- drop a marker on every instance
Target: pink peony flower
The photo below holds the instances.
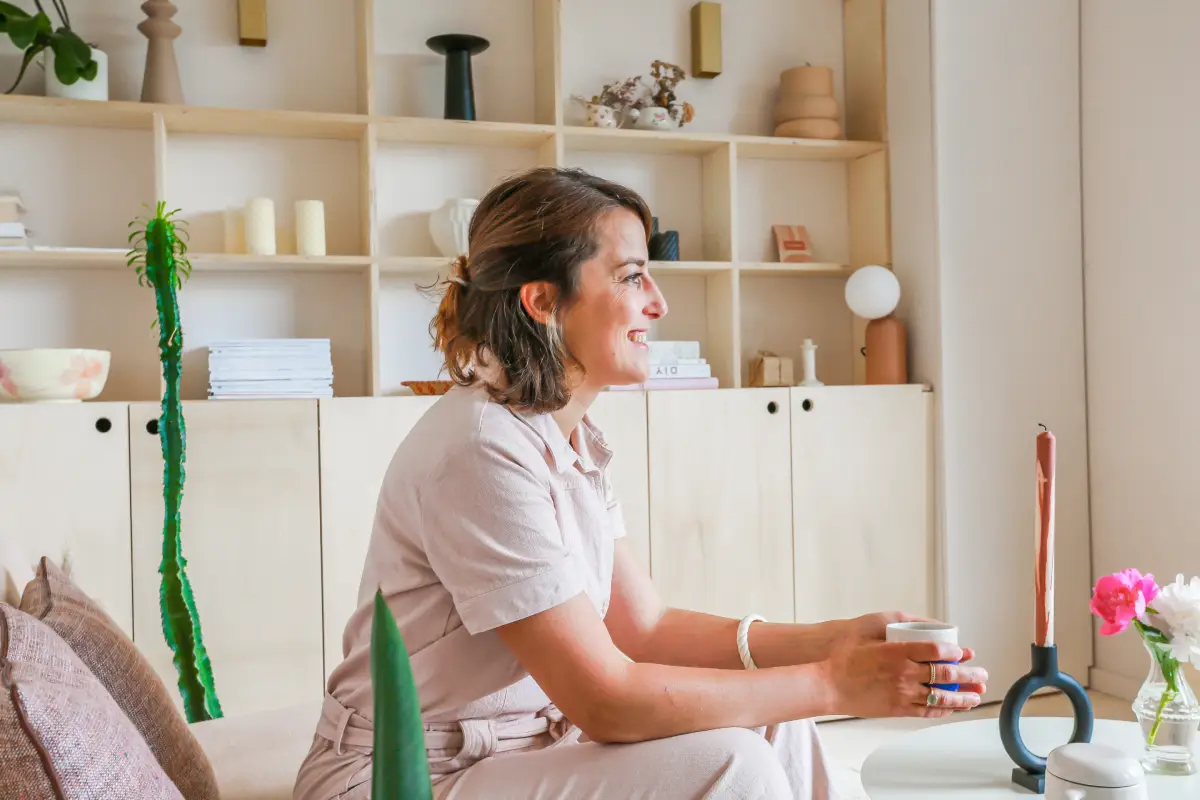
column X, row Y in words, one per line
column 1120, row 598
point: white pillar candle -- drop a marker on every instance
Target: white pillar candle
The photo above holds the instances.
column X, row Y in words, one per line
column 810, row 364
column 310, row 228
column 234, row 240
column 260, row 226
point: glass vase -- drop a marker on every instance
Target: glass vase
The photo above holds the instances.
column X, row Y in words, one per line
column 1167, row 709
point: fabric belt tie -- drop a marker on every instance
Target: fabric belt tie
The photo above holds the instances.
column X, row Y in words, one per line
column 450, row 746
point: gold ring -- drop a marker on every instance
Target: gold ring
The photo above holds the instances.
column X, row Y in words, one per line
column 932, row 699
column 932, row 672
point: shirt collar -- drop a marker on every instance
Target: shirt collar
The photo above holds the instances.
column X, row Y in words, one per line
column 594, row 452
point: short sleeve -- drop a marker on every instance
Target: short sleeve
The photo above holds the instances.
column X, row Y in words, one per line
column 491, row 534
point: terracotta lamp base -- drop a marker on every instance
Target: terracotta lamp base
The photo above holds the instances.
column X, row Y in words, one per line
column 887, row 361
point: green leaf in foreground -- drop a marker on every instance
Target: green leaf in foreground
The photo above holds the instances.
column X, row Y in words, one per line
column 400, row 769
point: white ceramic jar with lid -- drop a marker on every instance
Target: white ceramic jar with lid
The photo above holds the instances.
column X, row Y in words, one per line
column 1093, row 771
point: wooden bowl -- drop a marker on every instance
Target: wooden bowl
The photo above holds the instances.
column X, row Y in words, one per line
column 428, row 387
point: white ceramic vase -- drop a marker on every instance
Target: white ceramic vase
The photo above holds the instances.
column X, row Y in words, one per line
column 96, row 89
column 654, row 118
column 449, row 225
column 599, row 116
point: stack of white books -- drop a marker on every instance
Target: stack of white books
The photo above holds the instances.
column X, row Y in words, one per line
column 13, row 234
column 269, row 368
column 676, row 365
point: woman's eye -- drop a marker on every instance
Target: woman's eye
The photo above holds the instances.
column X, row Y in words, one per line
column 635, row 278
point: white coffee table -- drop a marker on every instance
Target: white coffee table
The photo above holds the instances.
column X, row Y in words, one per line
column 966, row 760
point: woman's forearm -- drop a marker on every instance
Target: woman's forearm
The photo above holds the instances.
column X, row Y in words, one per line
column 652, row 701
column 694, row 639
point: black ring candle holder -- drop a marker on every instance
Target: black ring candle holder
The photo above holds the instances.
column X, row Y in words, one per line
column 1030, row 771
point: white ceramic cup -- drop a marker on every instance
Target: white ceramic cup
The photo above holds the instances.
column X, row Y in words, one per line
column 922, row 632
column 925, row 632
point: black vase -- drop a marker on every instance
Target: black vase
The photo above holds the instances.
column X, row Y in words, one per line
column 664, row 246
column 460, row 85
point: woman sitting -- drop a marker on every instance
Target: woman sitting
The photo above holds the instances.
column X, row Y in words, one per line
column 546, row 664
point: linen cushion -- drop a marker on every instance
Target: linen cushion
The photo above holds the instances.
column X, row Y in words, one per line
column 54, row 599
column 61, row 735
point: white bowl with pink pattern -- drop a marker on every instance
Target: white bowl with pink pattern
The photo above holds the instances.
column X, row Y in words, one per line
column 49, row 375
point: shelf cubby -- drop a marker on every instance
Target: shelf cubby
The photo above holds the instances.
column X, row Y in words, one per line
column 813, row 194
column 74, row 198
column 224, row 305
column 408, row 77
column 208, row 175
column 413, row 180
column 404, row 344
column 358, row 125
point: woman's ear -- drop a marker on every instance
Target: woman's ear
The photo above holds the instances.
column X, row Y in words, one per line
column 537, row 298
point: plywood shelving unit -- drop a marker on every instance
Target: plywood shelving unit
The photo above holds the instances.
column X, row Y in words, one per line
column 381, row 167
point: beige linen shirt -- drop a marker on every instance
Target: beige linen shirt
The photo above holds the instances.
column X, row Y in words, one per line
column 486, row 515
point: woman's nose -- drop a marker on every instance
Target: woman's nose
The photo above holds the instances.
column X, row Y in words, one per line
column 657, row 307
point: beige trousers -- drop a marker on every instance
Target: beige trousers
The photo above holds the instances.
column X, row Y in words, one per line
column 783, row 761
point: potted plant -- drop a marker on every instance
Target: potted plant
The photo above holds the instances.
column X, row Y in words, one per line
column 648, row 102
column 73, row 67
column 665, row 109
column 615, row 102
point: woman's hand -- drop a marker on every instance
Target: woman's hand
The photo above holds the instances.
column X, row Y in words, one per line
column 888, row 679
column 873, row 627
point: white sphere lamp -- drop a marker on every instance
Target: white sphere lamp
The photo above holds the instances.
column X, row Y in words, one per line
column 872, row 293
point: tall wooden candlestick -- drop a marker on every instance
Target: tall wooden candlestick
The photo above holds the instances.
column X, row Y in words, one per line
column 1030, row 770
column 1044, row 574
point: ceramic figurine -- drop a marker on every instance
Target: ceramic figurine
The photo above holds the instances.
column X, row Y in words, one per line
column 160, row 83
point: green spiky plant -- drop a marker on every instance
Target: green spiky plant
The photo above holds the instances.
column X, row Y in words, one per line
column 399, row 766
column 159, row 255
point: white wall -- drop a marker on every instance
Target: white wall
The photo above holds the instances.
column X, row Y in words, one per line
column 1141, row 124
column 986, row 197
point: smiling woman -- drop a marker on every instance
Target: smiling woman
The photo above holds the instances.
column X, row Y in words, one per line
column 547, row 244
column 545, row 662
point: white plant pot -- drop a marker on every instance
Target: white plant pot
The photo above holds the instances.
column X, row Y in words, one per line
column 449, row 225
column 80, row 90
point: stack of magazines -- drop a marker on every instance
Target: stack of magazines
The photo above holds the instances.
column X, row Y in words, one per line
column 269, row 368
column 675, row 365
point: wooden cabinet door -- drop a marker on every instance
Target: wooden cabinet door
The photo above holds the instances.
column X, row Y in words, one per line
column 251, row 536
column 720, row 500
column 863, row 501
column 621, row 416
column 359, row 436
column 64, row 491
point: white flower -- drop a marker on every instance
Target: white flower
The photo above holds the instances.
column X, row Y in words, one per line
column 1177, row 610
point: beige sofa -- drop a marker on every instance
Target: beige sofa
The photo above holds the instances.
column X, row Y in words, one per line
column 255, row 756
column 109, row 689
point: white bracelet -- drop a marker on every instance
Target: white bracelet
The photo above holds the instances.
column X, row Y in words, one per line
column 743, row 643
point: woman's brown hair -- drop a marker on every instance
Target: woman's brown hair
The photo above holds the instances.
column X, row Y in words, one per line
column 539, row 225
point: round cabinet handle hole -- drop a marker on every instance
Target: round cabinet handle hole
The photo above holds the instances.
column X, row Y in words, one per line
column 772, row 407
column 807, row 405
column 104, row 424
column 152, row 427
